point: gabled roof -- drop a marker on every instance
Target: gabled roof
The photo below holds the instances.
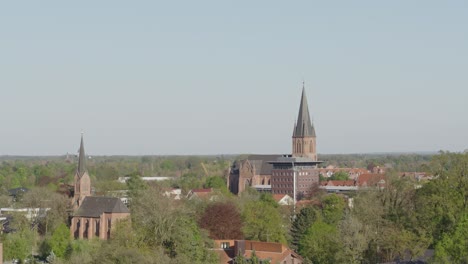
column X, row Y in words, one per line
column 338, row 183
column 371, row 179
column 260, row 163
column 95, row 206
column 16, row 191
column 202, row 193
column 275, row 252
column 283, row 199
column 278, row 197
column 303, row 126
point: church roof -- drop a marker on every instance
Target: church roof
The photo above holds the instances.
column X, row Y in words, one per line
column 94, row 206
column 303, row 126
column 81, row 159
column 260, row 163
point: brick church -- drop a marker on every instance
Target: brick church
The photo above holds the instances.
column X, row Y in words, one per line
column 93, row 216
column 292, row 174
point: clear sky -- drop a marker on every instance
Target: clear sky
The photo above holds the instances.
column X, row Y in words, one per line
column 211, row 77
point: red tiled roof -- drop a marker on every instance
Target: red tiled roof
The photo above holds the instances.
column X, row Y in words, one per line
column 278, row 197
column 338, row 183
column 275, row 252
column 370, row 179
column 354, row 170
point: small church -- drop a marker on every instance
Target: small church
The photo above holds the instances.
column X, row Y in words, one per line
column 93, row 216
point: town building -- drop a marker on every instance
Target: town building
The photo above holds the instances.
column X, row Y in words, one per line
column 283, row 199
column 173, row 193
column 353, row 173
column 252, row 172
column 294, row 176
column 93, row 216
column 207, row 194
column 363, row 181
column 256, row 171
column 228, row 250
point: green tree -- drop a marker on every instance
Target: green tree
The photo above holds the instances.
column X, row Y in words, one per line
column 215, row 182
column 332, row 208
column 167, row 165
column 320, row 243
column 442, row 202
column 354, row 237
column 303, row 220
column 339, row 176
column 18, row 245
column 158, row 222
column 262, row 221
column 268, row 199
column 453, row 247
column 189, row 181
column 41, row 197
column 60, row 240
column 135, row 185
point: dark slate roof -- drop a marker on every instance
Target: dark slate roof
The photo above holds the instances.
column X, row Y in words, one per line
column 95, row 206
column 81, row 159
column 16, row 191
column 260, row 163
column 304, row 127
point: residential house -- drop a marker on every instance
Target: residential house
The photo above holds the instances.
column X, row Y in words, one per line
column 174, row 193
column 283, row 199
column 205, row 194
column 275, row 253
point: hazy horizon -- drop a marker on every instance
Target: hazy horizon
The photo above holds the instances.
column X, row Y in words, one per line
column 201, row 78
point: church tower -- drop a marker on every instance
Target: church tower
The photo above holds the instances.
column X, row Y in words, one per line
column 304, row 139
column 82, row 180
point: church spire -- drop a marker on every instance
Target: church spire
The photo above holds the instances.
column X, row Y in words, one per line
column 304, row 127
column 81, row 159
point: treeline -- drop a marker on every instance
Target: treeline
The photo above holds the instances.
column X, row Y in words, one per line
column 400, row 221
column 398, row 162
column 51, row 172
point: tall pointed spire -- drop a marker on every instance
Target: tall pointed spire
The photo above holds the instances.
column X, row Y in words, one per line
column 304, row 127
column 81, row 159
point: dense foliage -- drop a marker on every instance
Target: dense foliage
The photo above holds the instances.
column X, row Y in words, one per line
column 402, row 220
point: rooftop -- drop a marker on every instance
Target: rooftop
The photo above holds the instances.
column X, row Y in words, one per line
column 94, row 206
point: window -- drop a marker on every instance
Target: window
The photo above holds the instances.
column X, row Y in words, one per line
column 224, row 244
